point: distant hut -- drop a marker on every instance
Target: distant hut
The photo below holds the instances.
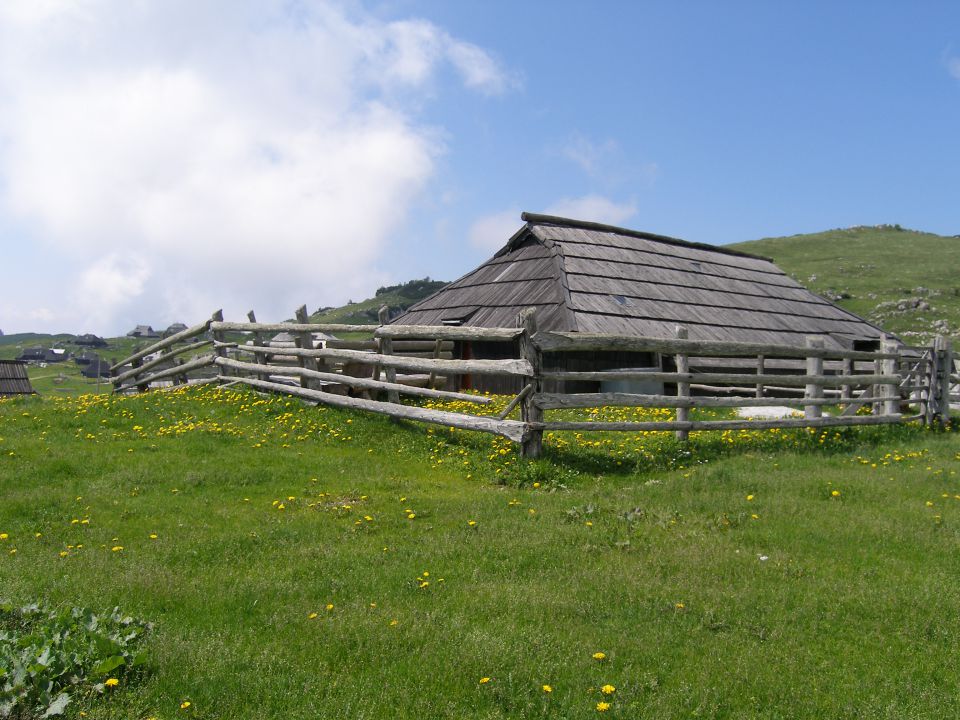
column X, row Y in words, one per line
column 593, row 278
column 143, row 331
column 14, row 379
column 96, row 367
column 174, row 329
column 33, row 355
column 90, row 340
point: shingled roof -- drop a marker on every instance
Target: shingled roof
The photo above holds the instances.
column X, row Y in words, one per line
column 14, row 379
column 587, row 277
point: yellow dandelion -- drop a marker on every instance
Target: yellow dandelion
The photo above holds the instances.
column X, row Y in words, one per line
column 411, row 516
column 484, row 680
column 117, row 548
column 329, row 607
column 834, row 493
column 471, row 523
column 185, row 704
column 608, row 689
column 547, row 689
column 311, row 616
column 599, row 656
column 603, row 706
column 111, row 682
column 749, row 498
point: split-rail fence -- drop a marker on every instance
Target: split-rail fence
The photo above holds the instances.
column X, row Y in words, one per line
column 896, row 383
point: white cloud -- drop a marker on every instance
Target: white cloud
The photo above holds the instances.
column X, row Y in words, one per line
column 953, row 67
column 182, row 156
column 595, row 208
column 590, row 156
column 491, row 232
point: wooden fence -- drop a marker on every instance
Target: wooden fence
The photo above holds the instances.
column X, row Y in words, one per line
column 371, row 371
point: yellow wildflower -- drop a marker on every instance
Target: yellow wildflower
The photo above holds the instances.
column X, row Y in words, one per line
column 547, row 689
column 603, row 706
column 608, row 689
column 111, row 682
column 185, row 704
column 484, row 680
column 599, row 656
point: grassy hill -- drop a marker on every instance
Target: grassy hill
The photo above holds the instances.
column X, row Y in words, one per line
column 396, row 297
column 904, row 280
column 64, row 378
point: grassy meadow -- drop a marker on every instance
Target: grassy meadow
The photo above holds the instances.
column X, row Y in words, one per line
column 301, row 562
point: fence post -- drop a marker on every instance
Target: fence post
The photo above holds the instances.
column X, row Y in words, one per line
column 259, row 357
column 761, row 369
column 530, row 412
column 305, row 341
column 930, row 377
column 683, row 387
column 891, row 393
column 386, row 348
column 218, row 349
column 946, row 369
column 814, row 367
column 846, row 391
column 136, row 364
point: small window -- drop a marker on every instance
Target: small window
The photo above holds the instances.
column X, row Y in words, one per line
column 622, row 300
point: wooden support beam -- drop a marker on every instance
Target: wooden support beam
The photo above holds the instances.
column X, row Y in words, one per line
column 740, row 379
column 530, row 412
column 510, row 429
column 815, row 369
column 566, row 341
column 401, row 362
column 683, row 388
column 355, row 382
column 445, row 332
column 697, row 425
column 386, row 348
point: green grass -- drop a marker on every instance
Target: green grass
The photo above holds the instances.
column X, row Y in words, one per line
column 851, row 614
column 873, row 266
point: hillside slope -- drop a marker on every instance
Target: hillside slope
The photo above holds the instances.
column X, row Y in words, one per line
column 396, row 297
column 904, row 280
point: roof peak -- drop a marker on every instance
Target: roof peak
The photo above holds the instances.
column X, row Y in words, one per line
column 538, row 219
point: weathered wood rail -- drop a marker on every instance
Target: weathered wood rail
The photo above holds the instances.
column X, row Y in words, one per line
column 895, row 384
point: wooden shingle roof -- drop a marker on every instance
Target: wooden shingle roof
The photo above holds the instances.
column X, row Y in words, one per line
column 13, row 378
column 588, row 277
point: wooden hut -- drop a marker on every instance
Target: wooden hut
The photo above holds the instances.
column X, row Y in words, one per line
column 14, row 379
column 588, row 277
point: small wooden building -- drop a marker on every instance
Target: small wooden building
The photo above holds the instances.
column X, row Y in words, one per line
column 14, row 379
column 588, row 277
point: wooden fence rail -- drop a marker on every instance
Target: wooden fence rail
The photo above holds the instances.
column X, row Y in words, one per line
column 422, row 362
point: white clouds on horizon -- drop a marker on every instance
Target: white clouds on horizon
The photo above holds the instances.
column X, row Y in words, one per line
column 172, row 158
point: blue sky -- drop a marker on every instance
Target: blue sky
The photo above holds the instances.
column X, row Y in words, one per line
column 161, row 161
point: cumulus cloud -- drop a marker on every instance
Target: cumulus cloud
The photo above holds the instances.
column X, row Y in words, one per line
column 491, row 232
column 183, row 156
